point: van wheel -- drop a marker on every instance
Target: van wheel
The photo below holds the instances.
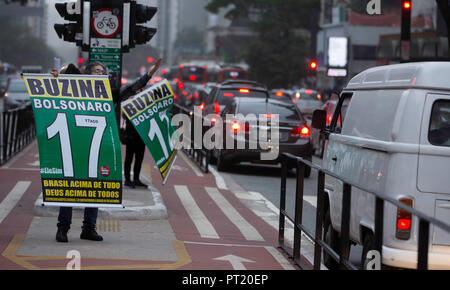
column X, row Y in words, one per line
column 221, row 164
column 368, row 245
column 331, row 237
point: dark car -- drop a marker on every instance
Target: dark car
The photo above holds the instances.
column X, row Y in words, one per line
column 16, row 94
column 293, row 131
column 224, row 94
column 307, row 101
column 282, row 95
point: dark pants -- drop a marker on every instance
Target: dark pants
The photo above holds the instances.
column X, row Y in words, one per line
column 134, row 148
column 65, row 217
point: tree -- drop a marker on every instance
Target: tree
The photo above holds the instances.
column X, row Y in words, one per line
column 278, row 56
column 19, row 47
column 189, row 40
column 444, row 8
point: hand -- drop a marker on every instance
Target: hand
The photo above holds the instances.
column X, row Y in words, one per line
column 54, row 72
column 154, row 68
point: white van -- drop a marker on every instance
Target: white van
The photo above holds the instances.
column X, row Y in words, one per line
column 394, row 139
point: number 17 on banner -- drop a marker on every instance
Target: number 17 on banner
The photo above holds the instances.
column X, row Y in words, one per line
column 148, row 112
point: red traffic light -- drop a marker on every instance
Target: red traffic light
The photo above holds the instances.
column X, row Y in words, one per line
column 407, row 4
column 150, row 59
column 313, row 65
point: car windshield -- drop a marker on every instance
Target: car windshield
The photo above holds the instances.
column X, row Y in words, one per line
column 226, row 96
column 439, row 132
column 286, row 112
column 17, row 87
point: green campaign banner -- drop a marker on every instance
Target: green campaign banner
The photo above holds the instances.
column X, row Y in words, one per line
column 78, row 140
column 148, row 111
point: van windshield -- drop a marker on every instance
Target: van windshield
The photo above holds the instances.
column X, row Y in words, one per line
column 439, row 131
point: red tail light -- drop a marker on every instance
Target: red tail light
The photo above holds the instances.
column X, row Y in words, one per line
column 279, row 94
column 217, row 108
column 192, row 78
column 404, row 220
column 268, row 116
column 244, row 91
column 303, row 131
column 308, row 92
column 195, row 96
column 202, row 106
column 213, row 120
column 180, row 85
column 236, row 126
column 329, row 119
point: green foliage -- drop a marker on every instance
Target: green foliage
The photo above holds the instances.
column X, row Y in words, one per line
column 278, row 56
column 19, row 47
column 189, row 40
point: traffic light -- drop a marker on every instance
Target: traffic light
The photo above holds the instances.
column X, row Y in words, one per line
column 140, row 14
column 70, row 11
column 313, row 65
column 406, row 20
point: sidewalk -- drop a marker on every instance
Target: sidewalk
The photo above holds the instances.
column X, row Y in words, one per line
column 138, row 236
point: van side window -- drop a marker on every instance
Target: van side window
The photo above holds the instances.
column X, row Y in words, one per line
column 340, row 112
column 439, row 131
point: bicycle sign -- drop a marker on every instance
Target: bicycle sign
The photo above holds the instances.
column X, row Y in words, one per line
column 106, row 22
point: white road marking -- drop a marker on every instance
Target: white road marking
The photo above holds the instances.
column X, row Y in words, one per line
column 247, row 230
column 12, row 198
column 201, row 222
column 190, row 163
column 312, row 200
column 219, row 179
column 236, row 262
column 35, row 163
column 280, row 258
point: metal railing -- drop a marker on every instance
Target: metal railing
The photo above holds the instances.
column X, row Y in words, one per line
column 201, row 157
column 17, row 130
column 344, row 250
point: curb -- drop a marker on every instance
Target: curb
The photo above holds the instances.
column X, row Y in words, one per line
column 142, row 209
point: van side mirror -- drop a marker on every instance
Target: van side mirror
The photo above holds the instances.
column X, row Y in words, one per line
column 319, row 119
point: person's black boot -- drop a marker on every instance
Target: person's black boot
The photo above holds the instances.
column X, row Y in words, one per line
column 140, row 184
column 129, row 184
column 61, row 234
column 89, row 233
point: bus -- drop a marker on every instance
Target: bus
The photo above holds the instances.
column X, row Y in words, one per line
column 191, row 73
column 222, row 73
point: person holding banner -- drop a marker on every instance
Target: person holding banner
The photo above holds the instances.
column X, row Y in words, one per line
column 90, row 214
column 65, row 213
column 135, row 147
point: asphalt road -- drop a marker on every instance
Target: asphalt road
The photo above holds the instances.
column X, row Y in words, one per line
column 266, row 180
